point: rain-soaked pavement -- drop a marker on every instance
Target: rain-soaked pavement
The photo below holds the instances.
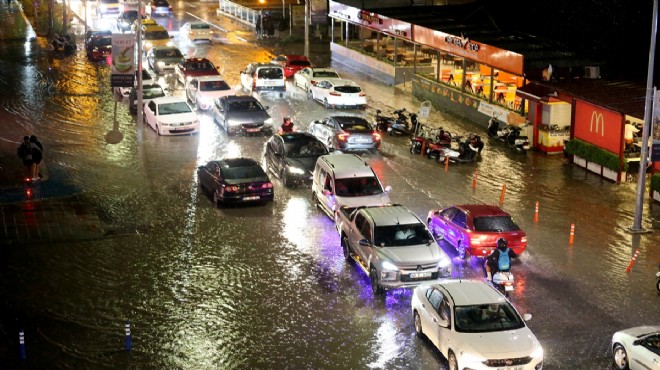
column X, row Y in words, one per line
column 266, row 286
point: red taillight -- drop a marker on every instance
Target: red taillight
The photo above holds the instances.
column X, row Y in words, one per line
column 342, row 137
column 363, row 94
column 313, row 82
column 232, row 188
column 376, row 136
column 268, row 185
column 191, row 33
column 333, row 93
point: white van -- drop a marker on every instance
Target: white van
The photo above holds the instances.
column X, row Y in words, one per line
column 263, row 77
column 346, row 181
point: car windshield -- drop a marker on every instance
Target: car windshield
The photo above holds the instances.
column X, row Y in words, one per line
column 199, row 26
column 270, row 73
column 401, row 235
column 200, row 66
column 486, row 318
column 102, row 41
column 245, row 106
column 168, row 53
column 357, row 186
column 303, row 148
column 152, row 92
column 213, row 86
column 130, row 14
column 495, row 223
column 326, row 74
column 300, row 63
column 109, row 2
column 348, row 89
column 173, row 108
column 145, row 75
column 161, row 3
column 238, row 173
column 156, row 35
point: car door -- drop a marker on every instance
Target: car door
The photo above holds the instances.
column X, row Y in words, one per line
column 278, row 156
column 320, row 90
column 647, row 354
column 150, row 114
column 329, row 202
column 442, row 222
column 192, row 87
column 362, row 230
column 303, row 77
column 326, row 131
column 219, row 110
column 430, row 316
column 459, row 229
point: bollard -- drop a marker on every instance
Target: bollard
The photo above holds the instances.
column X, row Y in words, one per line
column 474, row 180
column 446, row 163
column 570, row 240
column 632, row 261
column 502, row 194
column 21, row 344
column 421, row 153
column 536, row 212
column 128, row 336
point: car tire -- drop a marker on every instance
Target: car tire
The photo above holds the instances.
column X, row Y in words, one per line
column 462, row 253
column 375, row 286
column 310, row 94
column 346, row 248
column 284, row 179
column 325, row 103
column 418, row 324
column 329, row 143
column 453, row 364
column 216, row 199
column 620, row 357
column 435, row 235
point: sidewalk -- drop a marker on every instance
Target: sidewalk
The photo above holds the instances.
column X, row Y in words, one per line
column 48, row 210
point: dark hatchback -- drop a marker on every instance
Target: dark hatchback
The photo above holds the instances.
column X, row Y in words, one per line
column 99, row 46
column 292, row 156
column 126, row 20
column 235, row 180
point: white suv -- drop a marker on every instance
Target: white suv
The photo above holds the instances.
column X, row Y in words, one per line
column 263, row 77
column 346, row 180
column 475, row 327
column 393, row 246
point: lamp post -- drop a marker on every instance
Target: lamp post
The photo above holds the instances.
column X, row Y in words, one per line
column 307, row 16
column 261, row 18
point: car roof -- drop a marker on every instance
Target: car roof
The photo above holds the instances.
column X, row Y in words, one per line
column 296, row 57
column 296, row 135
column 209, row 78
column 391, row 215
column 347, row 165
column 349, row 118
column 482, row 210
column 261, row 65
column 236, row 162
column 164, row 47
column 153, row 27
column 338, row 81
column 471, row 292
column 323, row 69
column 239, row 98
column 169, row 99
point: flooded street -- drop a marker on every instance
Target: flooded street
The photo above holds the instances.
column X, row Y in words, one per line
column 267, row 286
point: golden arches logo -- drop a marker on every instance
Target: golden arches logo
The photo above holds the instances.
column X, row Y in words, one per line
column 600, row 122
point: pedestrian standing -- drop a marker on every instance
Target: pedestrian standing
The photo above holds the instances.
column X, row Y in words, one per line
column 37, row 154
column 25, row 154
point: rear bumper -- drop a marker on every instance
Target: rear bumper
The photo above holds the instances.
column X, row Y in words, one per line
column 248, row 198
column 270, row 88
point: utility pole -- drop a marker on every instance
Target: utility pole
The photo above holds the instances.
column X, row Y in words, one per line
column 307, row 19
column 138, row 51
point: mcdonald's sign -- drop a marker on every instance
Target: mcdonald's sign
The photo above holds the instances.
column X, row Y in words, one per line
column 598, row 126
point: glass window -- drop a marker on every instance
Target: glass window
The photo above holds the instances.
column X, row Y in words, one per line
column 241, row 173
column 365, row 231
column 357, row 186
column 173, row 108
column 435, row 299
column 495, row 223
column 487, row 318
column 460, row 219
column 214, row 86
column 402, row 235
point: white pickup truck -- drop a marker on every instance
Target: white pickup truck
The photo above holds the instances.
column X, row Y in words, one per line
column 393, row 246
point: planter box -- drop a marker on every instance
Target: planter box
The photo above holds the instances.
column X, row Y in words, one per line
column 610, row 174
column 595, row 168
column 656, row 196
column 580, row 161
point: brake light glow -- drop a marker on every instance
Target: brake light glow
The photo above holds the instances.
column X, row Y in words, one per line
column 313, row 82
column 363, row 94
column 232, row 188
column 376, row 136
column 268, row 185
column 523, row 239
column 342, row 137
column 333, row 93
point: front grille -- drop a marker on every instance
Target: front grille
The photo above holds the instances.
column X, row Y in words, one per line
column 508, row 362
column 182, row 131
column 406, row 278
column 252, row 125
column 421, row 267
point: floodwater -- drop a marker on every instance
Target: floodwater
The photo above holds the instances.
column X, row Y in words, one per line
column 267, row 286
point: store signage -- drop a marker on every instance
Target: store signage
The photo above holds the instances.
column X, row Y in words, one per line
column 599, row 121
column 598, row 126
column 370, row 17
column 123, row 58
column 462, row 42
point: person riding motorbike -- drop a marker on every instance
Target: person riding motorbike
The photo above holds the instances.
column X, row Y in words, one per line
column 287, row 125
column 494, row 263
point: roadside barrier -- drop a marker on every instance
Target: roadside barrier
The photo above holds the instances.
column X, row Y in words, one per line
column 632, row 261
column 570, row 239
column 421, row 153
column 502, row 195
column 446, row 163
column 536, row 212
column 474, row 179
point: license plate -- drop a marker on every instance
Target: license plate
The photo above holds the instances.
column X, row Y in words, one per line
column 417, row 275
column 251, row 198
column 511, row 368
column 362, row 140
column 271, row 83
column 508, row 288
column 253, row 130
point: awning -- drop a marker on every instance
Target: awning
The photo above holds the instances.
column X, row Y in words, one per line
column 535, row 93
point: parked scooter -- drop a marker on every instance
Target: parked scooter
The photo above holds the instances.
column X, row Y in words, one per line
column 384, row 123
column 63, row 44
column 401, row 127
column 468, row 150
column 509, row 135
column 432, row 140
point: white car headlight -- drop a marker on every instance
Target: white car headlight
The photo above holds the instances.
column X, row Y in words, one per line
column 296, row 170
column 161, row 64
column 538, row 352
column 232, row 123
column 268, row 122
column 205, row 100
column 148, row 44
column 389, row 266
column 170, row 43
column 470, row 358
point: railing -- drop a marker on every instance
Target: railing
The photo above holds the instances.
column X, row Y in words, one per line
column 238, row 11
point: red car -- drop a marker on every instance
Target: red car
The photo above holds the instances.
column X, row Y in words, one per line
column 99, row 46
column 473, row 229
column 292, row 63
column 194, row 67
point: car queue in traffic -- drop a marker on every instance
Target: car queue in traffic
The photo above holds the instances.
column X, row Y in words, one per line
column 471, row 323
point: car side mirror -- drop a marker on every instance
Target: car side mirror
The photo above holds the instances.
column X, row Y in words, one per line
column 443, row 323
column 330, row 150
column 327, row 192
column 266, row 107
column 637, row 342
column 388, row 189
column 364, row 243
column 527, row 316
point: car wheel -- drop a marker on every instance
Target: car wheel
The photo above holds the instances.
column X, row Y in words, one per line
column 345, row 247
column 310, row 95
column 418, row 324
column 620, row 357
column 453, row 364
column 329, row 143
column 462, row 253
column 216, row 199
column 375, row 287
column 429, row 222
column 283, row 178
column 325, row 103
column 158, row 130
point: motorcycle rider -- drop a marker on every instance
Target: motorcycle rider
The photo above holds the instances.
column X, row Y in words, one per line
column 499, row 260
column 287, row 125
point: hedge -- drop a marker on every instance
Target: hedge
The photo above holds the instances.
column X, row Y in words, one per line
column 595, row 154
column 655, row 182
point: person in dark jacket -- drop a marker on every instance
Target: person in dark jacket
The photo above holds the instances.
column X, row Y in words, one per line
column 491, row 265
column 37, row 155
column 25, row 154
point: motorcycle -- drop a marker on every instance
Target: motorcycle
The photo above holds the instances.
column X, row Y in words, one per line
column 504, row 282
column 384, row 123
column 509, row 135
column 62, row 44
column 400, row 127
column 468, row 150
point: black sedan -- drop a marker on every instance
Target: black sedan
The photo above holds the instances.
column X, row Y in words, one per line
column 235, row 180
column 126, row 20
column 99, row 46
column 292, row 156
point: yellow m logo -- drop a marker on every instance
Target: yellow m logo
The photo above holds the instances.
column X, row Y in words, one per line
column 599, row 120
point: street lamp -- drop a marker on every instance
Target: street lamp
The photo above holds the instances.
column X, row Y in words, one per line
column 261, row 18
